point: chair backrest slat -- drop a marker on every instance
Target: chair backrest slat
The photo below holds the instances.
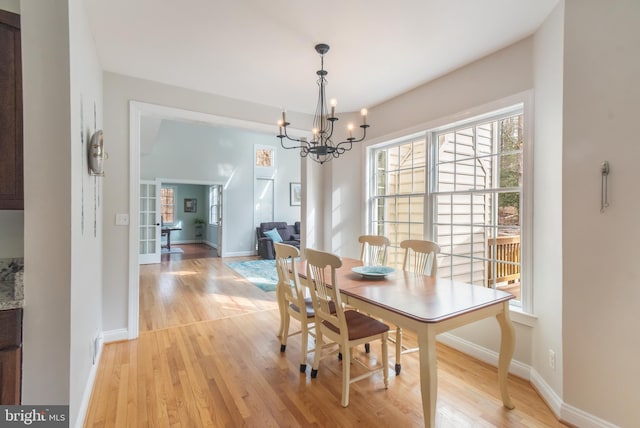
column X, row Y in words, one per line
column 374, row 249
column 420, row 256
column 288, row 280
column 321, row 277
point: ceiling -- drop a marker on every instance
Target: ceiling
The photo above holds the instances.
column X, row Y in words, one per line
column 263, row 51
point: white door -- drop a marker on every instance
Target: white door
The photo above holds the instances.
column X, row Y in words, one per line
column 149, row 234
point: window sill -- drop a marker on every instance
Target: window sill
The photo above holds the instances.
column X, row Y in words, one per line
column 523, row 318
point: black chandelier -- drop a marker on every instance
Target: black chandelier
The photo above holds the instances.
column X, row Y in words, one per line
column 322, row 148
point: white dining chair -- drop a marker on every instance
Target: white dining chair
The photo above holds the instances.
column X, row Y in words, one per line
column 347, row 328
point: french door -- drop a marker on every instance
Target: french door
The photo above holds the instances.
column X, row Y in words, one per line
column 149, row 233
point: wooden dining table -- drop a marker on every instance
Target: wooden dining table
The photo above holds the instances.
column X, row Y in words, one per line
column 166, row 231
column 428, row 306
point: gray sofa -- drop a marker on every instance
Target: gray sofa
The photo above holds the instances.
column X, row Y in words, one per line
column 290, row 234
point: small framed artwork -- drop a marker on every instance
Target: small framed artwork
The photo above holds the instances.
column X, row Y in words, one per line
column 190, row 205
column 295, row 194
column 264, row 157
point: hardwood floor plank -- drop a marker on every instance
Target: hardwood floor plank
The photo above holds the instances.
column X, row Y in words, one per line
column 208, row 356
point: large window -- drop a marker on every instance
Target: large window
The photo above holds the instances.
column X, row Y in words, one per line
column 465, row 193
column 168, row 204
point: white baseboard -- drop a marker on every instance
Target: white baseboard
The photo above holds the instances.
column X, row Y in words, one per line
column 582, row 419
column 187, row 241
column 115, row 335
column 548, row 394
column 239, row 254
column 195, row 241
column 88, row 389
column 560, row 409
column 483, row 354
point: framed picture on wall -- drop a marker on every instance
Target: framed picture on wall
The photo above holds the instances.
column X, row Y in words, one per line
column 190, row 205
column 295, row 194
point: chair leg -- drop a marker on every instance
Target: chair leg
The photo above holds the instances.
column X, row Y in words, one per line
column 285, row 332
column 282, row 309
column 318, row 351
column 304, row 331
column 346, row 376
column 398, row 366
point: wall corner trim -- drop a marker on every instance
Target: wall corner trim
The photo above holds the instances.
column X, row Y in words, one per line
column 116, row 335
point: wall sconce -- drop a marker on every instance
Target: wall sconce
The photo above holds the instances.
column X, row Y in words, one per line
column 96, row 154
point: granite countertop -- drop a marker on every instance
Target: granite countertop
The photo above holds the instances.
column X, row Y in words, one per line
column 11, row 283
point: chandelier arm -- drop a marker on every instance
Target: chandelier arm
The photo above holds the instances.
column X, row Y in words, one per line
column 303, row 147
column 341, row 149
column 297, row 140
column 364, row 134
column 331, row 129
column 292, row 147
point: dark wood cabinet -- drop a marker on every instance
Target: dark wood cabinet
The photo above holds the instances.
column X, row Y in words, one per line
column 10, row 356
column 11, row 169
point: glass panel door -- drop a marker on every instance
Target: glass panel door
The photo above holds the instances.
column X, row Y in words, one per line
column 149, row 232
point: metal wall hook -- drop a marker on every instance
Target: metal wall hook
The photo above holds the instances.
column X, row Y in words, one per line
column 604, row 184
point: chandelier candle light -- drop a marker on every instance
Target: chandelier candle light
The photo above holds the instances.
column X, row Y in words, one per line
column 322, row 148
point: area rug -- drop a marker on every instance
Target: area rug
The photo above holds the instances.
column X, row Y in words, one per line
column 174, row 250
column 261, row 273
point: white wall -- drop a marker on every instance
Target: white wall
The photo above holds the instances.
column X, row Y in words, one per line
column 86, row 211
column 48, row 172
column 547, row 198
column 11, row 234
column 346, row 206
column 10, row 5
column 601, row 294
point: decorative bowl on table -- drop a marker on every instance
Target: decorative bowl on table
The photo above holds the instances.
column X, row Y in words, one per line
column 373, row 271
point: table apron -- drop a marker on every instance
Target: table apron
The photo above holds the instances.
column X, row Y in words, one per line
column 417, row 326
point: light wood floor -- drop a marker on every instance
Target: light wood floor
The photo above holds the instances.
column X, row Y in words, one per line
column 208, row 355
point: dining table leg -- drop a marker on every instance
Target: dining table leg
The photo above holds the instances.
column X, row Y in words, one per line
column 507, row 346
column 428, row 375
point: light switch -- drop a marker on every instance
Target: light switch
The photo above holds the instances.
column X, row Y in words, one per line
column 122, row 219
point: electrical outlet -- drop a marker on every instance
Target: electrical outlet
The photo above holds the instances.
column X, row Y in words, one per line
column 552, row 359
